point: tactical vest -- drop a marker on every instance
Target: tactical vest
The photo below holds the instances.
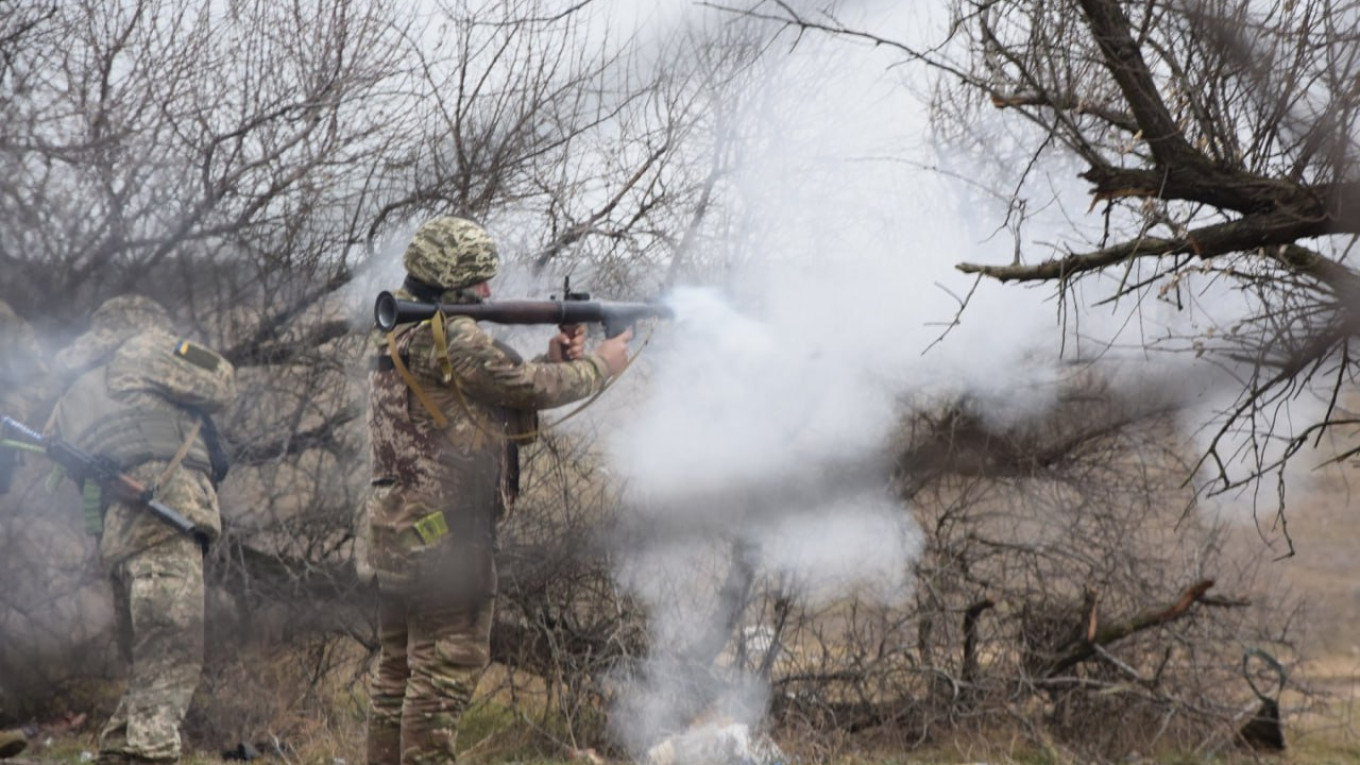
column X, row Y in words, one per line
column 129, row 427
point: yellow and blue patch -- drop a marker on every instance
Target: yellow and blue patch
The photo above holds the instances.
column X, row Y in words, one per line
column 197, row 355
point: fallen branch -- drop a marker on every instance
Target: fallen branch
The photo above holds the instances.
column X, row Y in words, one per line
column 1080, row 650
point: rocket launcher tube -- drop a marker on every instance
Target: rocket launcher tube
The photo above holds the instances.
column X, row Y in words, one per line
column 389, row 312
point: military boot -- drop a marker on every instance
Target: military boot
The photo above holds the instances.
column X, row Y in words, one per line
column 12, row 742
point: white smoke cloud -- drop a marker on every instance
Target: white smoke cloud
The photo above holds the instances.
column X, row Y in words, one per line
column 771, row 398
column 769, row 393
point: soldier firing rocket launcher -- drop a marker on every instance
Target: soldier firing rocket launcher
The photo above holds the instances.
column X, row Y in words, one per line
column 573, row 308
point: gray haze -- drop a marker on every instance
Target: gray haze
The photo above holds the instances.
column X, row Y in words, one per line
column 768, row 403
column 765, row 408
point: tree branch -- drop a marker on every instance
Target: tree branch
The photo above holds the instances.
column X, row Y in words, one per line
column 1278, row 228
column 1078, row 651
column 1113, row 33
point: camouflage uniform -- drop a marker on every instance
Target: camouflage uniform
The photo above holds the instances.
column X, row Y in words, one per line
column 137, row 394
column 439, row 490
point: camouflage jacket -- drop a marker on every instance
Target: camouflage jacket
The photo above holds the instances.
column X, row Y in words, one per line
column 444, row 487
column 136, row 401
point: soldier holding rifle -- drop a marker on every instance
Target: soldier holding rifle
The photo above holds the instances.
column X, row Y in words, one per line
column 136, row 417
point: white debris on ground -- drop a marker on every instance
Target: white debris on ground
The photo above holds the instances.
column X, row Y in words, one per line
column 731, row 744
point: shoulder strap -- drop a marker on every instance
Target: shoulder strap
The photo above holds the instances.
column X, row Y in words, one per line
column 410, row 380
column 441, row 346
column 179, row 455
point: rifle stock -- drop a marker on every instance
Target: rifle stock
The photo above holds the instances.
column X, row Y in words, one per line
column 81, row 465
column 389, row 312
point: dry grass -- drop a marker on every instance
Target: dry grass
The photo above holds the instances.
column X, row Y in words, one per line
column 312, row 696
column 1326, row 729
column 1323, row 724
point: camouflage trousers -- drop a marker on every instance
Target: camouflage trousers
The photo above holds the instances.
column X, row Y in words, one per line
column 433, row 652
column 158, row 600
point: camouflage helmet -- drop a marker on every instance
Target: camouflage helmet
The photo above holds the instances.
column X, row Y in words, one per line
column 112, row 324
column 451, row 253
column 127, row 313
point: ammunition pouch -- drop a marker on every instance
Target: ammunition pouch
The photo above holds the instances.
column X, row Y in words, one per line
column 94, row 500
column 94, row 504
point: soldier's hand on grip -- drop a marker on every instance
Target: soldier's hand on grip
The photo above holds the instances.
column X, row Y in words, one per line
column 614, row 352
column 569, row 344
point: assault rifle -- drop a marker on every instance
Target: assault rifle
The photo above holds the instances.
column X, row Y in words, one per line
column 83, row 466
column 574, row 308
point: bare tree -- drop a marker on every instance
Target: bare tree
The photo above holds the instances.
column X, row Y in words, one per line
column 254, row 165
column 243, row 163
column 1217, row 139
